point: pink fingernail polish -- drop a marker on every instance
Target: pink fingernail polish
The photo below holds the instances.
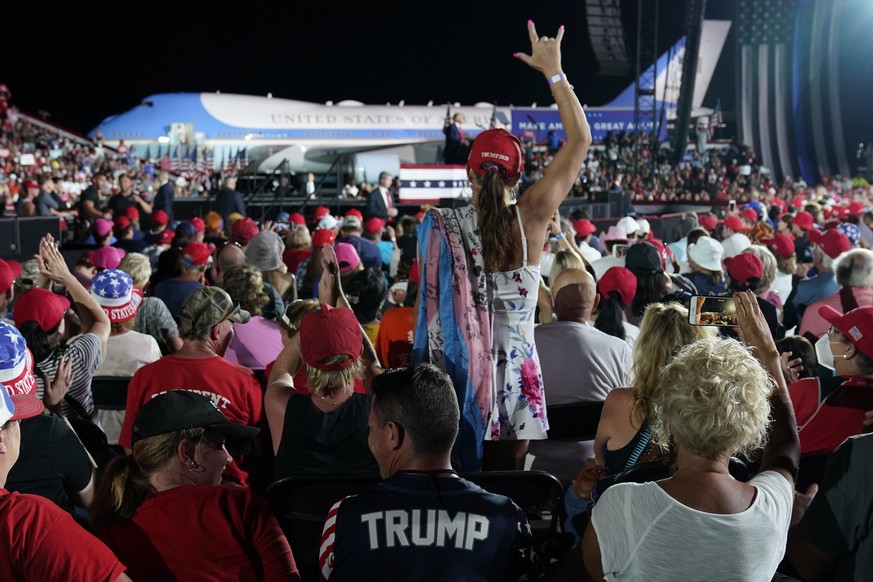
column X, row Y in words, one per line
column 515, row 55
column 562, row 26
column 529, row 22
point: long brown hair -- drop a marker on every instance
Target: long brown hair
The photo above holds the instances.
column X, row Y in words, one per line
column 496, row 217
column 124, row 484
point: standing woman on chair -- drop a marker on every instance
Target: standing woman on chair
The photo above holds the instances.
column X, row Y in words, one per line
column 480, row 268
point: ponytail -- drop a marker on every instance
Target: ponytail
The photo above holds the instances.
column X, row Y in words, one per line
column 499, row 241
column 124, row 484
column 610, row 316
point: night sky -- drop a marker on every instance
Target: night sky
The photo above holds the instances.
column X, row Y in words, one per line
column 375, row 52
column 82, row 62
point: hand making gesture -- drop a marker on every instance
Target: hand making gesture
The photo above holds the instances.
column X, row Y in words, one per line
column 545, row 54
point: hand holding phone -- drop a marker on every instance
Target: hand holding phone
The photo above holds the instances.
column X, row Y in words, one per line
column 712, row 310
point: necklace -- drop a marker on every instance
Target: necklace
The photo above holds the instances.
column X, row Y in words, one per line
column 345, row 396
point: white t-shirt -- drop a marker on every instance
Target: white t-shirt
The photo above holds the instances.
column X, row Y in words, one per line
column 125, row 354
column 645, row 534
column 781, row 285
column 631, row 333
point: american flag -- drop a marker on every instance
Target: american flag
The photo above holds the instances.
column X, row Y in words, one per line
column 715, row 120
column 176, row 161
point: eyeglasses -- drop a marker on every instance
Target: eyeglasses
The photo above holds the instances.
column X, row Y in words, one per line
column 832, row 330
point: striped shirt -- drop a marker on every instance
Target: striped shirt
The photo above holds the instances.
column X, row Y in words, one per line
column 86, row 351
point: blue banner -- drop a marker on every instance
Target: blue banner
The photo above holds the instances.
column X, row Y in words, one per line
column 537, row 123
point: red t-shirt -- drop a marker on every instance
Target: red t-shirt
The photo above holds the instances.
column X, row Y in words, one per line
column 821, row 426
column 203, row 532
column 233, row 388
column 40, row 541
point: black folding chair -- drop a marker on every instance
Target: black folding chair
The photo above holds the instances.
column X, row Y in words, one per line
column 540, row 494
column 301, row 505
column 110, row 392
column 574, row 421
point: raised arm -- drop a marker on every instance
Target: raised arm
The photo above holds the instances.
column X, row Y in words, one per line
column 782, row 451
column 280, row 387
column 542, row 199
column 54, row 268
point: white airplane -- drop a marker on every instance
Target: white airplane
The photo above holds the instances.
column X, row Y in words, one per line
column 360, row 140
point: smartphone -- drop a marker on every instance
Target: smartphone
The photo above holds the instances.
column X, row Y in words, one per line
column 732, row 206
column 860, row 397
column 712, row 310
column 619, row 250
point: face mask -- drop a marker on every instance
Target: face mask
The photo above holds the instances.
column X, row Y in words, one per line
column 824, row 354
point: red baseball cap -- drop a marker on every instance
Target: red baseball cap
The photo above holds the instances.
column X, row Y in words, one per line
column 322, row 236
column 735, row 223
column 9, row 270
column 856, row 325
column 196, row 254
column 244, row 230
column 832, row 242
column 132, row 213
column 330, row 331
column 121, row 223
column 42, row 306
column 31, row 184
column 744, row 266
column 297, row 218
column 165, row 237
column 354, row 212
column 198, row 224
column 583, row 227
column 803, row 219
column 750, row 214
column 708, row 221
column 857, row 208
column 374, row 224
column 501, row 147
column 160, row 217
column 320, row 212
column 622, row 281
column 781, row 245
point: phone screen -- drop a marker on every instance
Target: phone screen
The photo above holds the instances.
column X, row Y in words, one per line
column 619, row 250
column 712, row 310
column 732, row 206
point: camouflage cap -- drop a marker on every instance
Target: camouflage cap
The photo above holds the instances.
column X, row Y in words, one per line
column 208, row 306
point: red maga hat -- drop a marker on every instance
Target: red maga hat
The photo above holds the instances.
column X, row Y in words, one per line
column 330, row 331
column 856, row 325
column 832, row 242
column 782, row 246
column 622, row 281
column 498, row 146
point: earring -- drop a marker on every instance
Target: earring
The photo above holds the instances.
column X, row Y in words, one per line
column 193, row 466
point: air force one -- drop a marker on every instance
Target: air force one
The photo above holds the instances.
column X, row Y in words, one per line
column 310, row 137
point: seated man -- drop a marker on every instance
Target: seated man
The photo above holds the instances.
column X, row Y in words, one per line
column 600, row 363
column 206, row 328
column 423, row 521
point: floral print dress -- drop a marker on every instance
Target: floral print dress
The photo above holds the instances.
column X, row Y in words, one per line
column 520, row 408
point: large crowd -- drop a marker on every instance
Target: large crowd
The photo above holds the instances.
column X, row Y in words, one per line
column 318, row 345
